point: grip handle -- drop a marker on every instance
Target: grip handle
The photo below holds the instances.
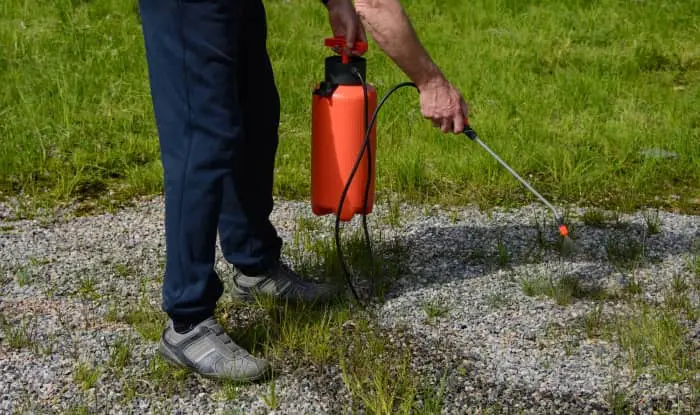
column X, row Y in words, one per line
column 468, row 131
column 339, row 41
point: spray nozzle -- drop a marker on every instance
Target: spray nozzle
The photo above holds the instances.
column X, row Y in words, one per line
column 340, row 43
column 563, row 230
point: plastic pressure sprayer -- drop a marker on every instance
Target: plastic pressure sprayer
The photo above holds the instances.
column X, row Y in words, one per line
column 343, row 136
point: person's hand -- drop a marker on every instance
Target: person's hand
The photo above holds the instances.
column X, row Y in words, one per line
column 345, row 22
column 444, row 105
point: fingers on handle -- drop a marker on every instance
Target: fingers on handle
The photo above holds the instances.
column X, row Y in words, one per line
column 350, row 37
column 446, row 125
column 459, row 123
column 465, row 112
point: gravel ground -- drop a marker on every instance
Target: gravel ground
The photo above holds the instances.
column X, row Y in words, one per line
column 507, row 349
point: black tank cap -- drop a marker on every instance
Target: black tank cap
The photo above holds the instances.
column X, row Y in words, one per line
column 341, row 73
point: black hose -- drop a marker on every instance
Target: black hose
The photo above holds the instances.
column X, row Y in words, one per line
column 365, row 146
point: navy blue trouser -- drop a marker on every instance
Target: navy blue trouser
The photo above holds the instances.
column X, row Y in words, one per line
column 217, row 109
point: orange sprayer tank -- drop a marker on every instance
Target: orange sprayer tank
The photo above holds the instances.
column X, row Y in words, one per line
column 337, row 137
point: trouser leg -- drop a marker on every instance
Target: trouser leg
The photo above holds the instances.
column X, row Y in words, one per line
column 193, row 59
column 248, row 238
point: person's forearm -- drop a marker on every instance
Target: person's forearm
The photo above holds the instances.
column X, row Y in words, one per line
column 391, row 29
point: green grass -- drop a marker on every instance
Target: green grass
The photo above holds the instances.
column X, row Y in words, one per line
column 564, row 290
column 655, row 342
column 568, row 92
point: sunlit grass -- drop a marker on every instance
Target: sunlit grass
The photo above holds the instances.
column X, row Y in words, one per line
column 569, row 93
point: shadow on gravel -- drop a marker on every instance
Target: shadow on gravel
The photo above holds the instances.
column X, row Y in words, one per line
column 438, row 255
column 441, row 254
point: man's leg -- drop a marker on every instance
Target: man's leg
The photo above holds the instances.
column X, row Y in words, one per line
column 192, row 52
column 193, row 60
column 248, row 238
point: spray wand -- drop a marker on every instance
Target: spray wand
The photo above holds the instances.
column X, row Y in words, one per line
column 563, row 229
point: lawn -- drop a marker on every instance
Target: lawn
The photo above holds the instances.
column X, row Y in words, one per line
column 574, row 94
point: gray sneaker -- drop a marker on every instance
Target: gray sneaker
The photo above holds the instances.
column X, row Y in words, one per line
column 210, row 352
column 283, row 283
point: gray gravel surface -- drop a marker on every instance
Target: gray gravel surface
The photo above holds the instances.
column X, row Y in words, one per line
column 65, row 279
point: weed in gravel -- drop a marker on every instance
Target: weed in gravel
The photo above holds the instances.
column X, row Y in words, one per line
column 86, row 375
column 632, row 287
column 112, row 314
column 120, row 354
column 376, row 372
column 503, row 256
column 165, row 377
column 624, row 252
column 542, row 229
column 692, row 264
column 563, row 290
column 227, row 390
column 596, row 218
column 309, row 224
column 124, row 270
column 652, row 221
column 434, row 309
column 271, row 399
column 384, row 388
column 130, row 389
column 677, row 299
column 476, row 256
column 497, row 301
column 308, row 333
column 78, row 409
column 146, row 319
column 654, row 341
column 393, row 218
column 22, row 277
column 617, row 400
column 453, row 215
column 593, row 321
column 87, row 290
column 18, row 336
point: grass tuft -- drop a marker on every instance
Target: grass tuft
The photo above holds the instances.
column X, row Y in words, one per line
column 120, row 354
column 654, row 341
column 652, row 221
column 18, row 336
column 599, row 218
column 435, row 309
column 146, row 319
column 86, row 375
column 165, row 377
column 563, row 290
column 624, row 252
